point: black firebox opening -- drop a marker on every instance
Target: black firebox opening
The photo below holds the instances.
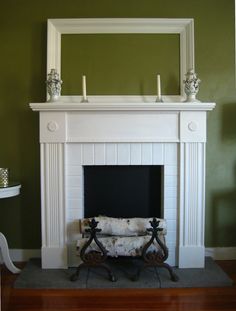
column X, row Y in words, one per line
column 123, row 191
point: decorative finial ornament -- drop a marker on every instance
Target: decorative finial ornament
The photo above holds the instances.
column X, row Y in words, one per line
column 191, row 86
column 53, row 86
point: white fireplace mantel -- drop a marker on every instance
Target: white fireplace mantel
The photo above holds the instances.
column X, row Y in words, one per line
column 119, row 131
column 130, row 120
column 116, row 103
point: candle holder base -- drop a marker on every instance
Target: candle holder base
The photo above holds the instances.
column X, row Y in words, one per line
column 159, row 99
column 84, row 100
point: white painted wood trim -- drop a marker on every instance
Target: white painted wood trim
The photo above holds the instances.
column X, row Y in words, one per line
column 23, row 254
column 221, row 253
column 187, row 55
column 112, row 134
column 191, row 256
column 192, row 205
column 53, row 47
column 217, row 253
column 54, row 257
column 61, row 123
column 53, row 202
column 128, row 104
column 183, row 27
column 120, row 25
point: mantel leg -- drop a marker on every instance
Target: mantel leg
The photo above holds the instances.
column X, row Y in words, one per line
column 5, row 255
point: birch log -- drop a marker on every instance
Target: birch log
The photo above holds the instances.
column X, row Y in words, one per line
column 121, row 246
column 122, row 226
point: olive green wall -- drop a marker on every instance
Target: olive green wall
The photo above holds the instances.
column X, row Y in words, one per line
column 104, row 59
column 22, row 80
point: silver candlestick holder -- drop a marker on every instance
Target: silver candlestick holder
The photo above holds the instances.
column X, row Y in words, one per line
column 159, row 99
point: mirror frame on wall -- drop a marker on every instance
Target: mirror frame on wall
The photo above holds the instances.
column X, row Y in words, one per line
column 183, row 27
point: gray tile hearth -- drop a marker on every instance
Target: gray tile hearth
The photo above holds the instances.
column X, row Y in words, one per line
column 32, row 276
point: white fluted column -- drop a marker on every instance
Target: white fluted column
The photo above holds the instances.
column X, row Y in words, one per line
column 54, row 250
column 192, row 205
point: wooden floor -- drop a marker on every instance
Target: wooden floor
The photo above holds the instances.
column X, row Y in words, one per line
column 209, row 299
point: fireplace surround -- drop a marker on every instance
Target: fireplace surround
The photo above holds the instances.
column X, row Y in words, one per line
column 122, row 131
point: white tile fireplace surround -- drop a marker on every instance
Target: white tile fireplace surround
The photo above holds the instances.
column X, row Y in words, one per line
column 122, row 131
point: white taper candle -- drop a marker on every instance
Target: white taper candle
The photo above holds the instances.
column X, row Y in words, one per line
column 158, row 86
column 84, row 87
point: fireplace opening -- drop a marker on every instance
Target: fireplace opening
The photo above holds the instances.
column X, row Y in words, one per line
column 123, row 191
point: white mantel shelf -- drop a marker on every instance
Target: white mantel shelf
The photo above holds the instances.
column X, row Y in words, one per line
column 125, row 106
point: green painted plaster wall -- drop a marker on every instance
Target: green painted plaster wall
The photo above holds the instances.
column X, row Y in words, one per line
column 104, row 59
column 22, row 80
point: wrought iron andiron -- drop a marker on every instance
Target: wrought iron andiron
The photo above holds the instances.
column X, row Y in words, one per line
column 93, row 258
column 155, row 258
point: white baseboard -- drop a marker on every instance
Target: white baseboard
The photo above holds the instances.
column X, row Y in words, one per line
column 218, row 253
column 23, row 254
column 221, row 253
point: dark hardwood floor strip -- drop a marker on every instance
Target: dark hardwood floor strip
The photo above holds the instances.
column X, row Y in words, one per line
column 199, row 299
